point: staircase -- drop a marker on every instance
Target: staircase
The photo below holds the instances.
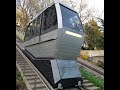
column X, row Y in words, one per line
column 31, row 78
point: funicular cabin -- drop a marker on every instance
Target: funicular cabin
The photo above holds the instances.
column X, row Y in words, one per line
column 53, row 40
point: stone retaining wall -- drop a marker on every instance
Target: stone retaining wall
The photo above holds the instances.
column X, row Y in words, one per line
column 97, row 55
column 92, row 52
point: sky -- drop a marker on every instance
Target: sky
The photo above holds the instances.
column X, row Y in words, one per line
column 98, row 5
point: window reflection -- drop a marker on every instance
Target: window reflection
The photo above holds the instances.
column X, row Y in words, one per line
column 70, row 18
column 44, row 23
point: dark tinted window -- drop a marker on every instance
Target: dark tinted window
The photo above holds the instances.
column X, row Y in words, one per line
column 49, row 20
column 70, row 18
column 33, row 29
column 30, row 30
column 45, row 22
column 38, row 24
column 28, row 33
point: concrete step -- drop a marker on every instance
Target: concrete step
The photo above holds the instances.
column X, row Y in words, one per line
column 40, row 88
column 21, row 61
column 26, row 68
column 85, row 81
column 19, row 56
column 88, row 84
column 40, row 85
column 30, row 74
column 29, row 71
column 22, row 64
column 38, row 81
column 31, row 78
column 26, row 64
column 93, row 88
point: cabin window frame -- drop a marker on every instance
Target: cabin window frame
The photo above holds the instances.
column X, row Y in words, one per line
column 47, row 15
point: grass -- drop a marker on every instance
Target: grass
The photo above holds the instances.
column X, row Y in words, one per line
column 95, row 80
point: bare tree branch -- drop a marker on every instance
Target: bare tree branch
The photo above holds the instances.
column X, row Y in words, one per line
column 28, row 8
column 81, row 7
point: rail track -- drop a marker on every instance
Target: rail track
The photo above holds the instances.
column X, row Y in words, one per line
column 95, row 70
column 34, row 80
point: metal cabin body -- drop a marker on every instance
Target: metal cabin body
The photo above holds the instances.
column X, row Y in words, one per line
column 55, row 52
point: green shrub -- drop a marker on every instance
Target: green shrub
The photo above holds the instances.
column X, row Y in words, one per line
column 96, row 81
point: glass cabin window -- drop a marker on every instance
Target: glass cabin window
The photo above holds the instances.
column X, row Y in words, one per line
column 27, row 36
column 38, row 24
column 44, row 23
column 49, row 20
column 70, row 18
column 30, row 31
column 33, row 29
